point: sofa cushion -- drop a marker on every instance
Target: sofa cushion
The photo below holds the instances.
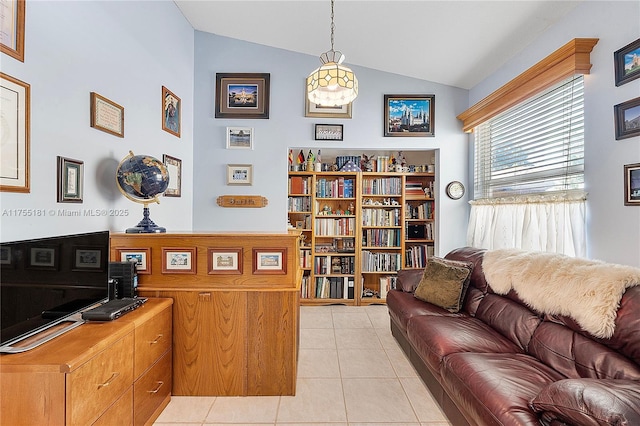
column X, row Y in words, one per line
column 444, row 283
column 408, row 279
column 590, row 402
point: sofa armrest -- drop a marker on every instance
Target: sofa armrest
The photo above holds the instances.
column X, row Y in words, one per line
column 590, row 402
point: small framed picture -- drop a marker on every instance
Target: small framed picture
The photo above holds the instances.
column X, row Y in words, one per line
column 179, row 260
column 269, row 261
column 409, row 115
column 328, row 132
column 171, row 112
column 107, row 115
column 226, row 260
column 6, row 256
column 70, row 180
column 632, row 184
column 89, row 259
column 239, row 137
column 242, row 95
column 141, row 257
column 43, row 257
column 627, row 116
column 174, row 166
column 627, row 63
column 239, row 174
column 12, row 41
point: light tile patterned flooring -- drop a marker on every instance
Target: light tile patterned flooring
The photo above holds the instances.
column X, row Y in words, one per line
column 351, row 372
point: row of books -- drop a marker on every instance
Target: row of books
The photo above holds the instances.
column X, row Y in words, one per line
column 380, row 262
column 416, row 256
column 381, row 217
column 305, row 258
column 413, row 187
column 382, row 186
column 381, row 237
column 387, row 283
column 325, row 265
column 299, row 204
column 334, row 288
column 335, row 226
column 299, row 185
column 422, row 211
column 334, row 188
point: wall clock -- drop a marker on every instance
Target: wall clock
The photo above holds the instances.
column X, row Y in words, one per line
column 455, row 190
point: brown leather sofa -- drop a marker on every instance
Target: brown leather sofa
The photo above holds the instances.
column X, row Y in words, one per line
column 497, row 362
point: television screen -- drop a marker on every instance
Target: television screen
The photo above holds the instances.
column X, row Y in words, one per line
column 44, row 281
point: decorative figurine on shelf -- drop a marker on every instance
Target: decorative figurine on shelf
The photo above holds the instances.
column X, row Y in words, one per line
column 402, row 162
column 351, row 210
column 310, row 161
column 326, row 210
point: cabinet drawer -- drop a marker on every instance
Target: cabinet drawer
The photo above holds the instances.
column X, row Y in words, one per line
column 121, row 412
column 99, row 382
column 153, row 338
column 151, row 389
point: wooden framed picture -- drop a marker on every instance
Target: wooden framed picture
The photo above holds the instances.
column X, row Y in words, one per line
column 626, row 63
column 179, row 260
column 15, row 116
column 242, row 95
column 320, row 111
column 141, row 257
column 627, row 116
column 171, row 112
column 239, row 137
column 70, row 180
column 269, row 261
column 328, row 132
column 227, row 260
column 239, row 174
column 409, row 115
column 89, row 259
column 12, row 31
column 632, row 184
column 43, row 257
column 174, row 166
column 107, row 115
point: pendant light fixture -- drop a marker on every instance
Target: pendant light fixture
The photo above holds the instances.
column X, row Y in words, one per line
column 333, row 84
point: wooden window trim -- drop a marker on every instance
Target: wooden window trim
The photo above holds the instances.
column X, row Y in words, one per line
column 571, row 59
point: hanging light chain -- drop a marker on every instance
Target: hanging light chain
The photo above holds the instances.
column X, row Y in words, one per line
column 333, row 26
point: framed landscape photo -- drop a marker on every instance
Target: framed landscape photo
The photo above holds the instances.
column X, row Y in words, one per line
column 269, row 261
column 89, row 259
column 15, row 117
column 242, row 95
column 632, row 184
column 179, row 260
column 239, row 137
column 106, row 115
column 627, row 116
column 239, row 174
column 70, row 180
column 328, row 132
column 171, row 112
column 174, row 166
column 226, row 260
column 409, row 115
column 141, row 257
column 12, row 29
column 627, row 63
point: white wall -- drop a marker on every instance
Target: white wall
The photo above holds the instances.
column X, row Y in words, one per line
column 287, row 127
column 613, row 229
column 125, row 51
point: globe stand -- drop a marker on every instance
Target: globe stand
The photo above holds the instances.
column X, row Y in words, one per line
column 146, row 225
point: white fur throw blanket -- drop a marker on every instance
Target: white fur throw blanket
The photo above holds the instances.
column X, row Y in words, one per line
column 586, row 290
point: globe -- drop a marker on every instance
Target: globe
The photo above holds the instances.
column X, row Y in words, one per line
column 142, row 179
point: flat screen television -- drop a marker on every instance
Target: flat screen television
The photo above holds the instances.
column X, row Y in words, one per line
column 45, row 283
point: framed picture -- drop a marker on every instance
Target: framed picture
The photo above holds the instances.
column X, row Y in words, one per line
column 43, row 257
column 12, row 32
column 409, row 115
column 239, row 137
column 89, row 258
column 107, row 115
column 320, row 111
column 627, row 116
column 179, row 260
column 6, row 257
column 224, row 260
column 632, row 184
column 239, row 174
column 141, row 257
column 15, row 118
column 328, row 132
column 242, row 95
column 171, row 112
column 269, row 261
column 70, row 180
column 626, row 63
column 174, row 166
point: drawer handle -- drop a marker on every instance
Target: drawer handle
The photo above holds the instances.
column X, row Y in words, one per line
column 157, row 388
column 109, row 381
column 153, row 342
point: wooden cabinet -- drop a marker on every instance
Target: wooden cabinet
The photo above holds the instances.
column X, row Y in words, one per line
column 90, row 374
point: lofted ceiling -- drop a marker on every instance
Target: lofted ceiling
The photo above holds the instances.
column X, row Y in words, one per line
column 458, row 43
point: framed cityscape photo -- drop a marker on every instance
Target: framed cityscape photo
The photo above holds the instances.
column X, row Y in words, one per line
column 269, row 261
column 106, row 115
column 141, row 257
column 14, row 163
column 627, row 116
column 632, row 184
column 239, row 174
column 174, row 166
column 329, row 132
column 627, row 63
column 242, row 95
column 12, row 35
column 179, row 260
column 239, row 137
column 171, row 112
column 409, row 115
column 227, row 260
column 70, row 180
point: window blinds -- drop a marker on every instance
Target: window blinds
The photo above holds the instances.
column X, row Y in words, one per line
column 535, row 147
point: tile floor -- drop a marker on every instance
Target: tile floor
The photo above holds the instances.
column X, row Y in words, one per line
column 351, row 372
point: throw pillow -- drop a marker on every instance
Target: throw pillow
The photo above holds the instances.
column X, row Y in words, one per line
column 444, row 283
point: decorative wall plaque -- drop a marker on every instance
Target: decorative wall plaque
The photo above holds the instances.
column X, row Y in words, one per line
column 246, row 201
